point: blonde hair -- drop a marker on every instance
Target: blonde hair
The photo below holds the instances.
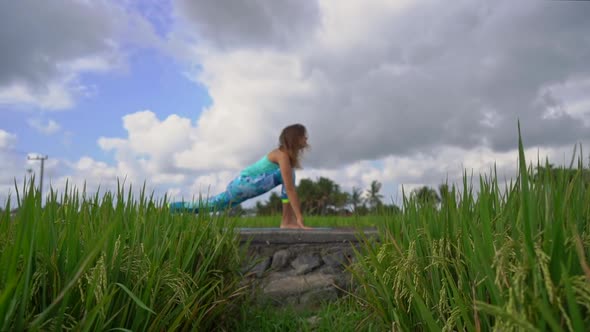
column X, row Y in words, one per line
column 291, row 141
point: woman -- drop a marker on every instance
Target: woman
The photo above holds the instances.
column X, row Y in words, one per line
column 275, row 168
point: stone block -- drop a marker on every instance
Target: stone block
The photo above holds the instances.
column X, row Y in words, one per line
column 306, row 263
column 335, row 259
column 280, row 259
column 299, row 267
column 289, row 286
column 317, row 296
column 260, row 267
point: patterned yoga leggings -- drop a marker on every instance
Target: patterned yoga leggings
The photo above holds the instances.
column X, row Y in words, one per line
column 238, row 190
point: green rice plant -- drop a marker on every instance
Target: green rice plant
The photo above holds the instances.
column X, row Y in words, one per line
column 502, row 260
column 114, row 262
column 341, row 315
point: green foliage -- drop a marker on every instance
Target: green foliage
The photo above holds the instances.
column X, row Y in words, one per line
column 427, row 196
column 356, row 199
column 114, row 262
column 569, row 174
column 321, row 197
column 342, row 315
column 374, row 198
column 324, row 197
column 272, row 207
column 503, row 260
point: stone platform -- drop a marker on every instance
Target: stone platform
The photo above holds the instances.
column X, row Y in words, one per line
column 301, row 268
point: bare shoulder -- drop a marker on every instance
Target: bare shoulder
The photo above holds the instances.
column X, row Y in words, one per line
column 277, row 156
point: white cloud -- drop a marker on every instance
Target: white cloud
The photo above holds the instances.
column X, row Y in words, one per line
column 55, row 97
column 147, row 153
column 346, row 25
column 93, row 63
column 229, row 24
column 41, row 65
column 11, row 164
column 7, row 139
column 48, row 128
column 570, row 97
column 433, row 168
column 251, row 92
column 375, row 79
column 151, row 143
column 85, row 174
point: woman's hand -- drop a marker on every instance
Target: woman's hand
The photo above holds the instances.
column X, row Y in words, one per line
column 301, row 224
column 289, row 220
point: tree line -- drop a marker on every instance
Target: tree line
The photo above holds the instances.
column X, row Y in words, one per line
column 325, row 197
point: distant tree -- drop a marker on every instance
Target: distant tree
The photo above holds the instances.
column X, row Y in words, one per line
column 390, row 209
column 374, row 197
column 356, row 198
column 276, row 203
column 544, row 171
column 308, row 195
column 552, row 174
column 237, row 210
column 260, row 209
column 272, row 207
column 340, row 200
column 426, row 195
column 327, row 190
column 362, row 210
column 323, row 196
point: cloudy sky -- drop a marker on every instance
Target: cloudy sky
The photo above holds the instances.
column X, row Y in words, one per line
column 182, row 94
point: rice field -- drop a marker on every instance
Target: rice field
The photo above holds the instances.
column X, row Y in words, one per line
column 511, row 257
column 113, row 262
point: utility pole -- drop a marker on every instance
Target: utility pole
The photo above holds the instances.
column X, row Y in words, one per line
column 42, row 158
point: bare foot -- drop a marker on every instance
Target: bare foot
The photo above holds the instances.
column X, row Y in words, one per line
column 294, row 226
column 289, row 226
column 303, row 226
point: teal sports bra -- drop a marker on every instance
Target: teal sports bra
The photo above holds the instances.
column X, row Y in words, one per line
column 262, row 166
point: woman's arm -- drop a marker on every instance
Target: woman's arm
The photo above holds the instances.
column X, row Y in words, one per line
column 288, row 216
column 287, row 174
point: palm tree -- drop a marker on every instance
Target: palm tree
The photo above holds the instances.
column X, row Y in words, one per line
column 340, row 200
column 327, row 190
column 307, row 195
column 356, row 198
column 374, row 197
column 426, row 195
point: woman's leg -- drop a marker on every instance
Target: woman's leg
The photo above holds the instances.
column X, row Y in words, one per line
column 215, row 203
column 245, row 187
column 239, row 190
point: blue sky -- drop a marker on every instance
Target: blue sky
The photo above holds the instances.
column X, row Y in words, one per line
column 151, row 82
column 183, row 94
